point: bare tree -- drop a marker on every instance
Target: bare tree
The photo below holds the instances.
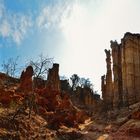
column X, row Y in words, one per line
column 41, row 66
column 10, row 66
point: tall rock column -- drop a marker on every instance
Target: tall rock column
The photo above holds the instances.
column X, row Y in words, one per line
column 109, row 92
column 129, row 69
column 124, row 75
column 126, row 72
column 137, row 67
column 53, row 78
column 26, row 79
column 103, row 87
column 117, row 73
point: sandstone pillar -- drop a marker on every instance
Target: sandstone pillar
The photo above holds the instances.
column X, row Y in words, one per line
column 53, row 78
column 129, row 87
column 117, row 74
column 126, row 72
column 26, row 79
column 109, row 96
column 137, row 68
column 103, row 88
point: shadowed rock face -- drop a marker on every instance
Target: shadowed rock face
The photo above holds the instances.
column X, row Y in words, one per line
column 53, row 78
column 108, row 98
column 26, row 79
column 124, row 88
column 117, row 74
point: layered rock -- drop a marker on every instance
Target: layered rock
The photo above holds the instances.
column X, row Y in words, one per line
column 53, row 78
column 86, row 98
column 108, row 96
column 103, row 86
column 117, row 73
column 26, row 79
column 124, row 89
column 131, row 67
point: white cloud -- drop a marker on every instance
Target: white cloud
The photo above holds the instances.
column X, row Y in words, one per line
column 25, row 23
column 20, row 26
column 87, row 28
column 42, row 18
column 5, row 28
column 82, row 45
column 13, row 25
column 17, row 37
column 86, row 25
column 88, row 31
column 51, row 15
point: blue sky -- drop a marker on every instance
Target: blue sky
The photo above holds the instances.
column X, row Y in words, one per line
column 73, row 32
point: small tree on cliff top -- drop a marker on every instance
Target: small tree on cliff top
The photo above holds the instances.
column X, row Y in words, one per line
column 75, row 81
column 41, row 66
column 85, row 82
column 81, row 82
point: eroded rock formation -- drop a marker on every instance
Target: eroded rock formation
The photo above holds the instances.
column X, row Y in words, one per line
column 108, row 98
column 131, row 67
column 117, row 73
column 53, row 78
column 86, row 98
column 103, row 86
column 26, row 79
column 124, row 88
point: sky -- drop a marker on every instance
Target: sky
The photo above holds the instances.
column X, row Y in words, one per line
column 73, row 32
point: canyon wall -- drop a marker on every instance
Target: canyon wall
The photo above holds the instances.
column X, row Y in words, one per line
column 121, row 84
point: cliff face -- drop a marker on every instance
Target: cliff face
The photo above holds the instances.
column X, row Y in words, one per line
column 117, row 74
column 131, row 67
column 124, row 88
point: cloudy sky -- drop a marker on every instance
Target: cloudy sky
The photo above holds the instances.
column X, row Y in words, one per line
column 73, row 32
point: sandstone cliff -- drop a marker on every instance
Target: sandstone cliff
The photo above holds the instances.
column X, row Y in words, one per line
column 124, row 88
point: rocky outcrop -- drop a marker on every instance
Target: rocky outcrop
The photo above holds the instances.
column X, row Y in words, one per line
column 117, row 74
column 58, row 110
column 131, row 67
column 53, row 78
column 26, row 79
column 91, row 100
column 103, row 86
column 108, row 98
column 85, row 98
column 124, row 88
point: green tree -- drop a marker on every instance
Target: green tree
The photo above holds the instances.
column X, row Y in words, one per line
column 75, row 81
column 85, row 82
